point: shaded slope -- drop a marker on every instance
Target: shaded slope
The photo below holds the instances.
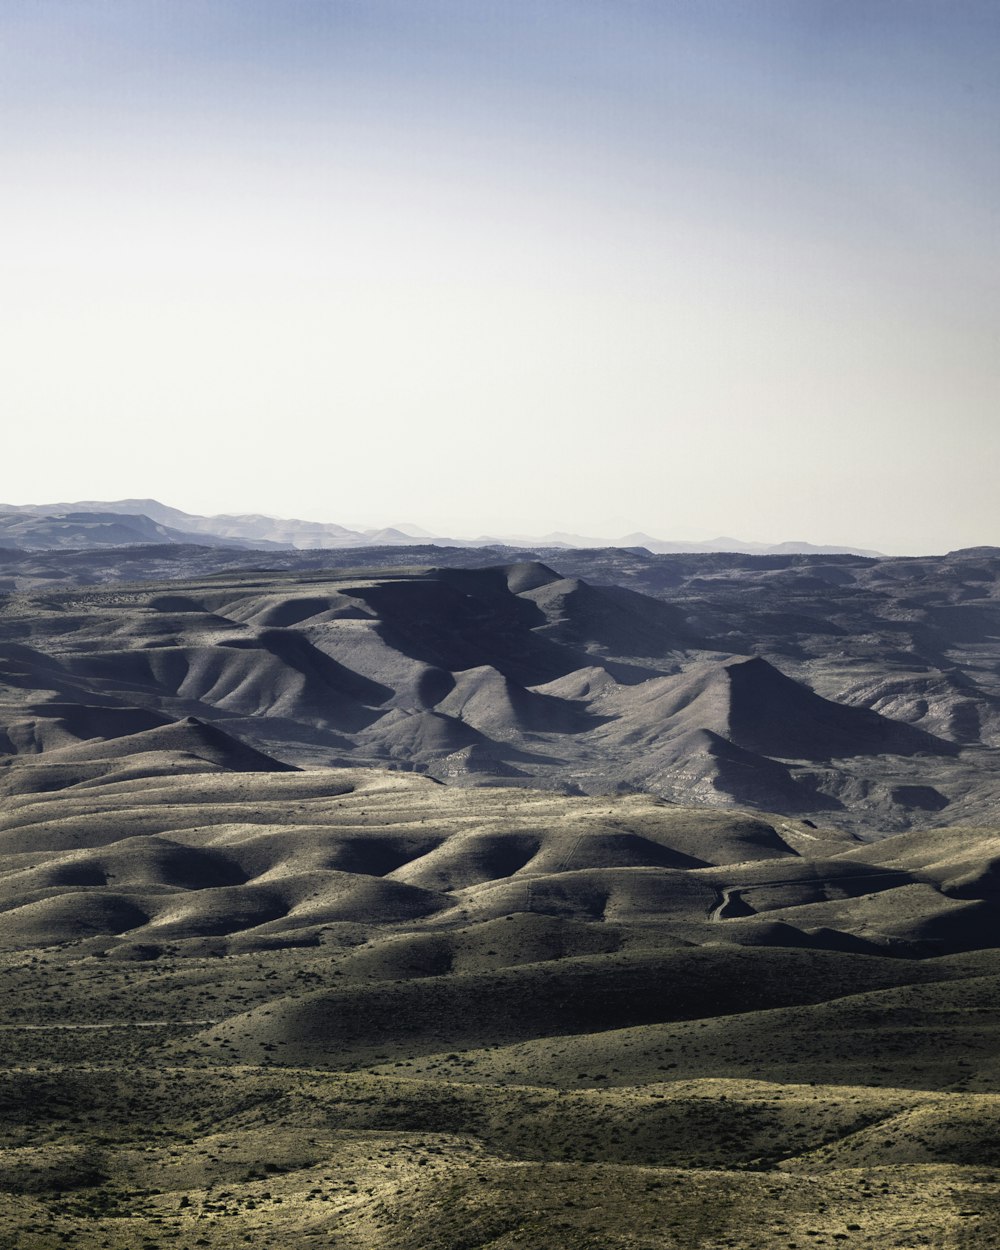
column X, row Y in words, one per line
column 500, row 708
column 458, row 619
column 55, row 724
column 191, row 735
column 611, row 619
column 508, row 673
column 347, row 1028
column 774, row 715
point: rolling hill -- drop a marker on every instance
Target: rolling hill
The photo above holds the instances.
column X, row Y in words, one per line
column 473, row 908
column 284, row 1005
column 509, row 673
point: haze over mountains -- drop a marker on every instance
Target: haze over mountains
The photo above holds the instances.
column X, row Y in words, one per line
column 393, row 880
column 101, row 524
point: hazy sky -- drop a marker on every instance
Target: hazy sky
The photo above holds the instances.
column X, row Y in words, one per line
column 690, row 266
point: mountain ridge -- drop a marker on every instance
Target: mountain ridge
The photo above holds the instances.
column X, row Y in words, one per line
column 506, row 674
column 265, row 530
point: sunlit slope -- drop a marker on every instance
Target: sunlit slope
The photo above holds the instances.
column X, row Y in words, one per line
column 173, row 834
column 182, row 855
column 364, row 1008
column 215, row 1157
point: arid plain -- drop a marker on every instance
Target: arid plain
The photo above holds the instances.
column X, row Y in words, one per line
column 609, row 900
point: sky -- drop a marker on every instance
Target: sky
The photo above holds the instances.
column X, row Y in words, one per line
column 690, row 267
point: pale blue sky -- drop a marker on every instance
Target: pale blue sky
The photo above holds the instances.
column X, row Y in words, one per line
column 695, row 268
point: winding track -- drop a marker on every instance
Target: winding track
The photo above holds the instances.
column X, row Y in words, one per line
column 731, row 896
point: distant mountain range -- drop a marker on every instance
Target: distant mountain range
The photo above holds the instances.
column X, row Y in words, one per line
column 128, row 522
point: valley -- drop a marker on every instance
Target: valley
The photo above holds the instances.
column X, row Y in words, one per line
column 462, row 907
column 824, row 685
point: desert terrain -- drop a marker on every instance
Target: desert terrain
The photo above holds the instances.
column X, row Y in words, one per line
column 591, row 898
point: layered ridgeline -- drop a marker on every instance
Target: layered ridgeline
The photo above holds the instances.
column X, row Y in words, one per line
column 517, row 675
column 180, row 837
column 94, row 524
column 256, row 997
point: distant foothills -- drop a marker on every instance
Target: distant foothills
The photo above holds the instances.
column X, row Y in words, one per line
column 130, row 522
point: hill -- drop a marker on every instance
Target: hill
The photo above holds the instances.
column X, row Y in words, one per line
column 696, row 946
column 507, row 673
column 365, row 1008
